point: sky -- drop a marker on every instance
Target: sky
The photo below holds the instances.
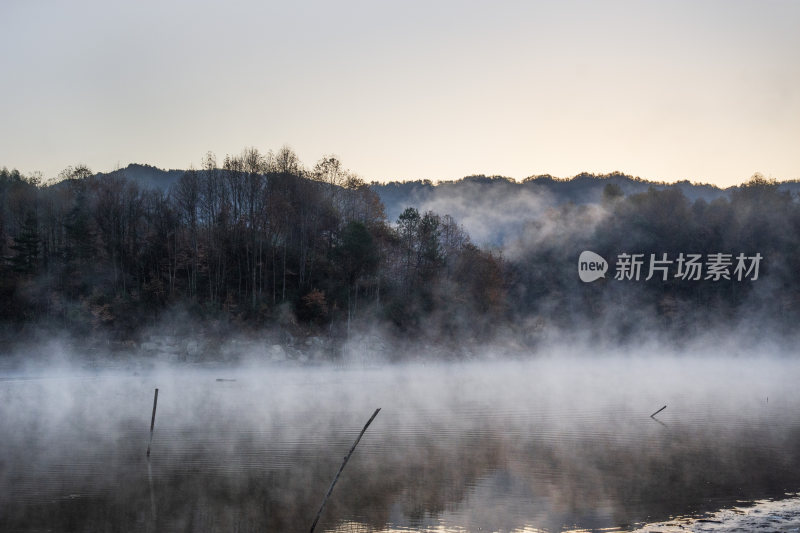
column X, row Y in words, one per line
column 707, row 91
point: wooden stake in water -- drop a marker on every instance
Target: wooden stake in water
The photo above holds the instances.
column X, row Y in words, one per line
column 654, row 414
column 152, row 422
column 347, row 458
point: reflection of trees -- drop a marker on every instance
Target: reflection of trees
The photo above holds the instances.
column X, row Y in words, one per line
column 471, row 475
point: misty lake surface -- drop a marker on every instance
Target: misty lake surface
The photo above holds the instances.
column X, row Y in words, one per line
column 547, row 444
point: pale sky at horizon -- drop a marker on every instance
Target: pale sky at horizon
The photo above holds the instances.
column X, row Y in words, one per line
column 704, row 91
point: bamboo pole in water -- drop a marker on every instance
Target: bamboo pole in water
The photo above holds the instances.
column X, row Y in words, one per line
column 347, row 458
column 654, row 414
column 152, row 422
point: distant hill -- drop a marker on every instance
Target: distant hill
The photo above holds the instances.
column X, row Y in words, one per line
column 493, row 209
column 147, row 176
column 581, row 189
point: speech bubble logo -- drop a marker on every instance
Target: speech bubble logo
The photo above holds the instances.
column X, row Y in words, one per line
column 591, row 266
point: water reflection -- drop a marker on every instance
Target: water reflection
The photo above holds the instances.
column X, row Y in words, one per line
column 545, row 445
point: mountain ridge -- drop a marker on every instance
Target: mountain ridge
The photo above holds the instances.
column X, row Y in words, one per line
column 493, row 209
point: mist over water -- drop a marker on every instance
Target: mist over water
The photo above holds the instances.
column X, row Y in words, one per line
column 558, row 442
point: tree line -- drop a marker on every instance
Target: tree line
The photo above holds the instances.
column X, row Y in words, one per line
column 758, row 218
column 255, row 239
column 258, row 239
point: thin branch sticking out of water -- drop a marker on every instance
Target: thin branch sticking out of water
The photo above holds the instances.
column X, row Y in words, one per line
column 654, row 414
column 152, row 422
column 347, row 458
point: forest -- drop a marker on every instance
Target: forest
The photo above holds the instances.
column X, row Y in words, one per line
column 252, row 242
column 259, row 241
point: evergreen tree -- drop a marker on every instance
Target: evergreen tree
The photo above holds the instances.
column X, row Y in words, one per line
column 26, row 246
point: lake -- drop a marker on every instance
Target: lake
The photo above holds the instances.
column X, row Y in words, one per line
column 552, row 443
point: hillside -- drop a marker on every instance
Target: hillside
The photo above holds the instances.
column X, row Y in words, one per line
column 493, row 209
column 259, row 245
